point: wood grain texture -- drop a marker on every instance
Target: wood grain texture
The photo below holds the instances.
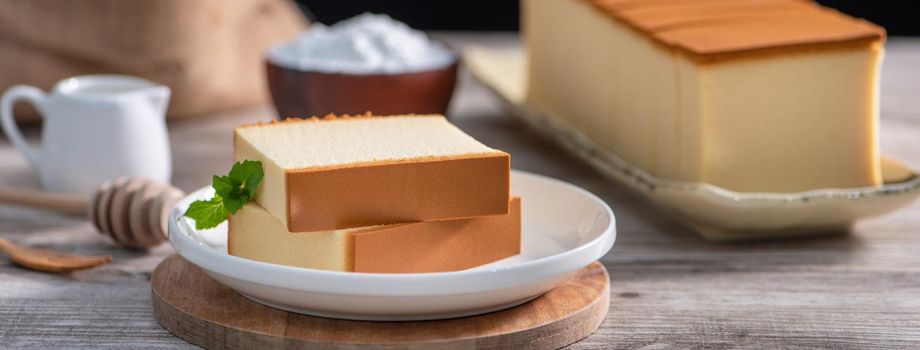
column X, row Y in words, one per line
column 64, row 203
column 229, row 321
column 670, row 289
column 49, row 260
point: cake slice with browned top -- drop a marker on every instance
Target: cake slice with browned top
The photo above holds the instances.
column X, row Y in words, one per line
column 431, row 246
column 353, row 171
column 748, row 95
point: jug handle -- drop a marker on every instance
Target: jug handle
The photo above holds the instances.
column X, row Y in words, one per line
column 16, row 93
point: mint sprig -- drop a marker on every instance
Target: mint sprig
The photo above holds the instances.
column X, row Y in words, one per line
column 230, row 193
column 209, row 213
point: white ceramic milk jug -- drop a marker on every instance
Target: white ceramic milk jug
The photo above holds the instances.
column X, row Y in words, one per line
column 96, row 128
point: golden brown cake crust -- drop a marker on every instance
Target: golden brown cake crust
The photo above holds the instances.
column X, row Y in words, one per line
column 714, row 30
column 354, row 197
column 327, row 117
column 438, row 246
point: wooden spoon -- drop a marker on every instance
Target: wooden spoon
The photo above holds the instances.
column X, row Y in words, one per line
column 48, row 261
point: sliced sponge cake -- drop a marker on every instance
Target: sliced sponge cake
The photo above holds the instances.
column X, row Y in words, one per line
column 344, row 172
column 752, row 95
column 431, row 246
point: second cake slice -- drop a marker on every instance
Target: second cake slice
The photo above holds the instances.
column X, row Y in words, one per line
column 342, row 172
column 431, row 246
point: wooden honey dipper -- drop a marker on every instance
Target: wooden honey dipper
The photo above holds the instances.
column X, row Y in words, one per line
column 130, row 210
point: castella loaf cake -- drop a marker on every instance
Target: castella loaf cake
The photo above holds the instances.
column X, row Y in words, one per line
column 354, row 171
column 749, row 95
column 432, row 246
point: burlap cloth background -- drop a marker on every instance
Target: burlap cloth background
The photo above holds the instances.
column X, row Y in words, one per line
column 210, row 52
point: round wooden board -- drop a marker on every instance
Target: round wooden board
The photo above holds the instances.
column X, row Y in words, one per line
column 194, row 307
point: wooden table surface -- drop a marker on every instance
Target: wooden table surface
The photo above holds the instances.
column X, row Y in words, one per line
column 669, row 288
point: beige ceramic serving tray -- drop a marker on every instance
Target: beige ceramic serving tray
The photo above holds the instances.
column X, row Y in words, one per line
column 715, row 212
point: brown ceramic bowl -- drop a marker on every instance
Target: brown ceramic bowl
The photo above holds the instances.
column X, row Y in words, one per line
column 299, row 93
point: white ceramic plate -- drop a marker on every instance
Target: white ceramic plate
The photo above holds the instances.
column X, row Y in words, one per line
column 565, row 228
column 715, row 212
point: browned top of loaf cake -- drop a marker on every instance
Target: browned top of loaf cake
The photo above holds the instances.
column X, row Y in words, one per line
column 326, row 117
column 708, row 29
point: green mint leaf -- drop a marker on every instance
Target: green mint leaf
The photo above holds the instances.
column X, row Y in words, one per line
column 207, row 214
column 246, row 175
column 231, row 192
column 233, row 204
column 254, row 179
column 223, row 186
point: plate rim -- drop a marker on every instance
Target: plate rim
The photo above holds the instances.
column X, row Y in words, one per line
column 316, row 281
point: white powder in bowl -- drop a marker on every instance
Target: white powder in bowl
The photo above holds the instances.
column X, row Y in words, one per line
column 365, row 44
